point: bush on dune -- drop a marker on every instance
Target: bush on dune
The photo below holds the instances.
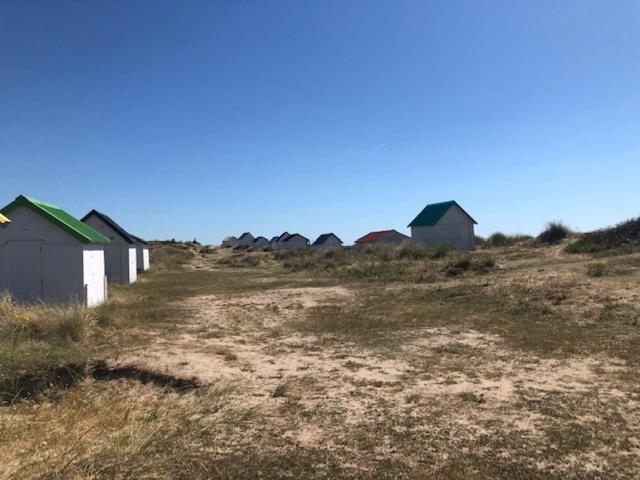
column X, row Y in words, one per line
column 554, row 233
column 624, row 236
column 499, row 239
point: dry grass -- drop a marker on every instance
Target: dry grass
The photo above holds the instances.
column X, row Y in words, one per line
column 407, row 262
column 41, row 345
column 521, row 364
column 622, row 238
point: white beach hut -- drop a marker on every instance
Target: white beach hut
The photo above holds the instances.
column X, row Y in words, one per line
column 121, row 256
column 47, row 254
column 444, row 223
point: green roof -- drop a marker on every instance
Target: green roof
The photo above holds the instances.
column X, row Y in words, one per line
column 59, row 217
column 432, row 213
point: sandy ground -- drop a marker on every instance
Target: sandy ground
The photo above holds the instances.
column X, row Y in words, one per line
column 472, row 381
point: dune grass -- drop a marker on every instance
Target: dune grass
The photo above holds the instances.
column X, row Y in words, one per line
column 51, row 345
column 41, row 345
column 527, row 315
column 499, row 239
column 623, row 238
column 386, row 263
column 169, row 257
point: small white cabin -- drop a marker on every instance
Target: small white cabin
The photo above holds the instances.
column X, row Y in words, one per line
column 47, row 254
column 295, row 241
column 121, row 256
column 444, row 223
column 327, row 241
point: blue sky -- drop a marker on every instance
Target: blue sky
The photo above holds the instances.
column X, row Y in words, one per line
column 208, row 118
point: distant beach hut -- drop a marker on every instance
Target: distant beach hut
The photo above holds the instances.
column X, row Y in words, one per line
column 245, row 239
column 444, row 223
column 294, row 241
column 47, row 254
column 121, row 263
column 229, row 241
column 260, row 243
column 276, row 241
column 327, row 241
column 383, row 236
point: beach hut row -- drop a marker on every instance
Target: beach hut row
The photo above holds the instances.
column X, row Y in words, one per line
column 437, row 224
column 47, row 254
column 284, row 241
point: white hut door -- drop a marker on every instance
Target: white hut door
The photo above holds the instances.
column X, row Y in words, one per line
column 25, row 269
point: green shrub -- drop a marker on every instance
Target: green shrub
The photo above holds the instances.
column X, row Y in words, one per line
column 553, row 233
column 497, row 239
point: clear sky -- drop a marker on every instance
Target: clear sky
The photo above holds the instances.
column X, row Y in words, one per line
column 208, row 118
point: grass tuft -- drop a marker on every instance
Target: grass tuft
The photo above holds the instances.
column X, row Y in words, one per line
column 596, row 270
column 280, row 391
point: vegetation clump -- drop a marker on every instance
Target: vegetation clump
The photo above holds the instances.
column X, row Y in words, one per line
column 40, row 345
column 280, row 390
column 464, row 263
column 44, row 345
column 624, row 237
column 411, row 262
column 239, row 260
column 554, row 233
column 169, row 257
column 499, row 239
